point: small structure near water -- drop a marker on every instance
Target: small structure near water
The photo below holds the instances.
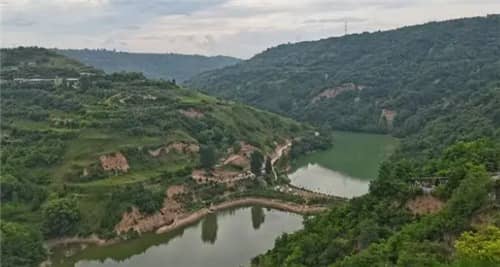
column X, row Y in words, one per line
column 429, row 184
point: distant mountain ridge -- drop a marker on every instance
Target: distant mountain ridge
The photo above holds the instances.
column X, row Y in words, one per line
column 156, row 66
column 406, row 81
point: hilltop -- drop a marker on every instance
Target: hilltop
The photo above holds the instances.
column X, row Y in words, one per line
column 407, row 82
column 167, row 66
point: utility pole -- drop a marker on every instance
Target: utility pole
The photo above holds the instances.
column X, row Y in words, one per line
column 345, row 27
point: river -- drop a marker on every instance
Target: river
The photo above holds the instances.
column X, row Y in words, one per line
column 346, row 169
column 232, row 237
column 227, row 238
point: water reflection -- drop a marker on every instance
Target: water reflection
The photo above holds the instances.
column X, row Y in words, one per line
column 318, row 178
column 228, row 238
column 209, row 229
column 258, row 216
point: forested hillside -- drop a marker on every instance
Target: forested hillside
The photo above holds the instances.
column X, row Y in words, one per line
column 396, row 224
column 83, row 151
column 80, row 147
column 437, row 82
column 156, row 66
column 436, row 201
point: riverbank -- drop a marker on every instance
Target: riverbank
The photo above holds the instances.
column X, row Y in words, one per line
column 183, row 220
column 269, row 203
column 193, row 217
column 91, row 240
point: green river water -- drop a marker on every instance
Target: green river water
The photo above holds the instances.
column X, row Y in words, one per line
column 232, row 237
column 347, row 168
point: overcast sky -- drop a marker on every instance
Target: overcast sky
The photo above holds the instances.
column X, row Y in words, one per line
column 238, row 28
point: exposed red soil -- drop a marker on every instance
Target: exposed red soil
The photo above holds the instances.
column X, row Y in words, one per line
column 426, row 204
column 238, row 160
column 116, row 162
column 139, row 222
column 242, row 160
column 192, row 113
column 334, row 92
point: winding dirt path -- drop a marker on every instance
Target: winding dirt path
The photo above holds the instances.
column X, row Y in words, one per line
column 191, row 218
column 278, row 153
column 270, row 203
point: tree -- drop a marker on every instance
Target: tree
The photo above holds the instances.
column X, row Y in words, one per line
column 9, row 187
column 85, row 83
column 269, row 165
column 21, row 245
column 369, row 231
column 207, row 157
column 61, row 216
column 483, row 245
column 256, row 160
column 258, row 217
column 236, row 147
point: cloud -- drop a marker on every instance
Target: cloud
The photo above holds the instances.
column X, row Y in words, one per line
column 335, row 20
column 130, row 27
column 18, row 22
column 232, row 27
column 151, row 37
column 94, row 16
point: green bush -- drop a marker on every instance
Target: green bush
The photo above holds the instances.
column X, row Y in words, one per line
column 21, row 245
column 61, row 216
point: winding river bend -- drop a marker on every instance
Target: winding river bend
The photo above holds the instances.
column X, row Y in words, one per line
column 232, row 237
column 347, row 168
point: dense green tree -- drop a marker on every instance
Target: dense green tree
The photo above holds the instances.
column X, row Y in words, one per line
column 236, row 147
column 21, row 246
column 421, row 254
column 14, row 189
column 269, row 166
column 208, row 157
column 256, row 161
column 377, row 230
column 61, row 216
column 9, row 187
column 483, row 245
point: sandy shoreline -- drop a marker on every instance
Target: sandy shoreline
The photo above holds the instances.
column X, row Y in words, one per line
column 194, row 217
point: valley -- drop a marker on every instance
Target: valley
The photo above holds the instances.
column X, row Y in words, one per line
column 363, row 150
column 235, row 212
column 108, row 157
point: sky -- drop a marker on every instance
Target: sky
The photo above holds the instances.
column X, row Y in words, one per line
column 239, row 28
